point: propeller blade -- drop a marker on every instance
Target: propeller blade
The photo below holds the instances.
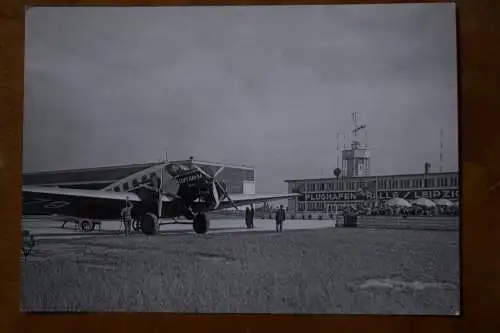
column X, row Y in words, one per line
column 202, row 171
column 215, row 186
column 226, row 195
column 219, row 171
column 216, row 195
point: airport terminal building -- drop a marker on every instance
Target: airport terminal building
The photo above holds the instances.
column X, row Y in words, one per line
column 329, row 194
column 236, row 179
column 353, row 185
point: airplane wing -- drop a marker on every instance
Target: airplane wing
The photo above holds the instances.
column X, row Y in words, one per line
column 44, row 200
column 79, row 193
column 82, row 193
column 246, row 199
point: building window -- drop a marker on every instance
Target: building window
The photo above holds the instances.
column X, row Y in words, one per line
column 340, row 186
column 116, row 189
column 135, row 183
column 394, row 184
column 321, row 186
column 125, row 187
column 431, row 182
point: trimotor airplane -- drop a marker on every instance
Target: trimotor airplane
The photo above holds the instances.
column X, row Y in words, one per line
column 197, row 193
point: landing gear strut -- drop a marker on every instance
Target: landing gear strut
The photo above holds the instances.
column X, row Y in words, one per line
column 200, row 224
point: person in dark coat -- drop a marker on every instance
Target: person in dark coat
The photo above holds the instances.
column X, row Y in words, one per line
column 248, row 217
column 280, row 218
column 252, row 215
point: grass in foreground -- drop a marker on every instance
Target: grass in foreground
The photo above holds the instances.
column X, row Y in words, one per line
column 316, row 271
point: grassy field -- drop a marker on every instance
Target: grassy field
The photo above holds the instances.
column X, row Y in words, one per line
column 314, row 271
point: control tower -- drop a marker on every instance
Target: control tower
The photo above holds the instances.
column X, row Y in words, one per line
column 356, row 161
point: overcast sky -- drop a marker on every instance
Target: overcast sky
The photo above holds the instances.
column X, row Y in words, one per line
column 267, row 87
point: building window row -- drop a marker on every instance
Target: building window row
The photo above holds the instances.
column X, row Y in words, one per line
column 383, row 184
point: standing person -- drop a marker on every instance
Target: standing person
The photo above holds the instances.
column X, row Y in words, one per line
column 280, row 218
column 248, row 217
column 127, row 217
column 252, row 215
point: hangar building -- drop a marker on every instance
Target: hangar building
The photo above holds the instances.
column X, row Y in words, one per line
column 236, row 179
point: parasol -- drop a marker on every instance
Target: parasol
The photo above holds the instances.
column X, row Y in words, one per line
column 443, row 202
column 424, row 202
column 398, row 202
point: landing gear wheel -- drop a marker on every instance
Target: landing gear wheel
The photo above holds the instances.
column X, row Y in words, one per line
column 85, row 226
column 137, row 225
column 200, row 224
column 149, row 224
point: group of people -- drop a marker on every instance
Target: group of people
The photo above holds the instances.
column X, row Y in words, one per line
column 279, row 217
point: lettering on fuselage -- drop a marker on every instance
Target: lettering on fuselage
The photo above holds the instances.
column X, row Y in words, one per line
column 190, row 178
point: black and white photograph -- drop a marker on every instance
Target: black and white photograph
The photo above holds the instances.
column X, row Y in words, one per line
column 241, row 159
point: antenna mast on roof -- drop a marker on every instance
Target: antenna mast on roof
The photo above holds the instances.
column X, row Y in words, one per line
column 338, row 156
column 441, row 151
column 355, row 124
column 356, row 127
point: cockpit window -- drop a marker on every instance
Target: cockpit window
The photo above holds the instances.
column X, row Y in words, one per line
column 177, row 169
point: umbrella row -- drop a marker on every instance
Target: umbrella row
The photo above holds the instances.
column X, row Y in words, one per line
column 423, row 202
